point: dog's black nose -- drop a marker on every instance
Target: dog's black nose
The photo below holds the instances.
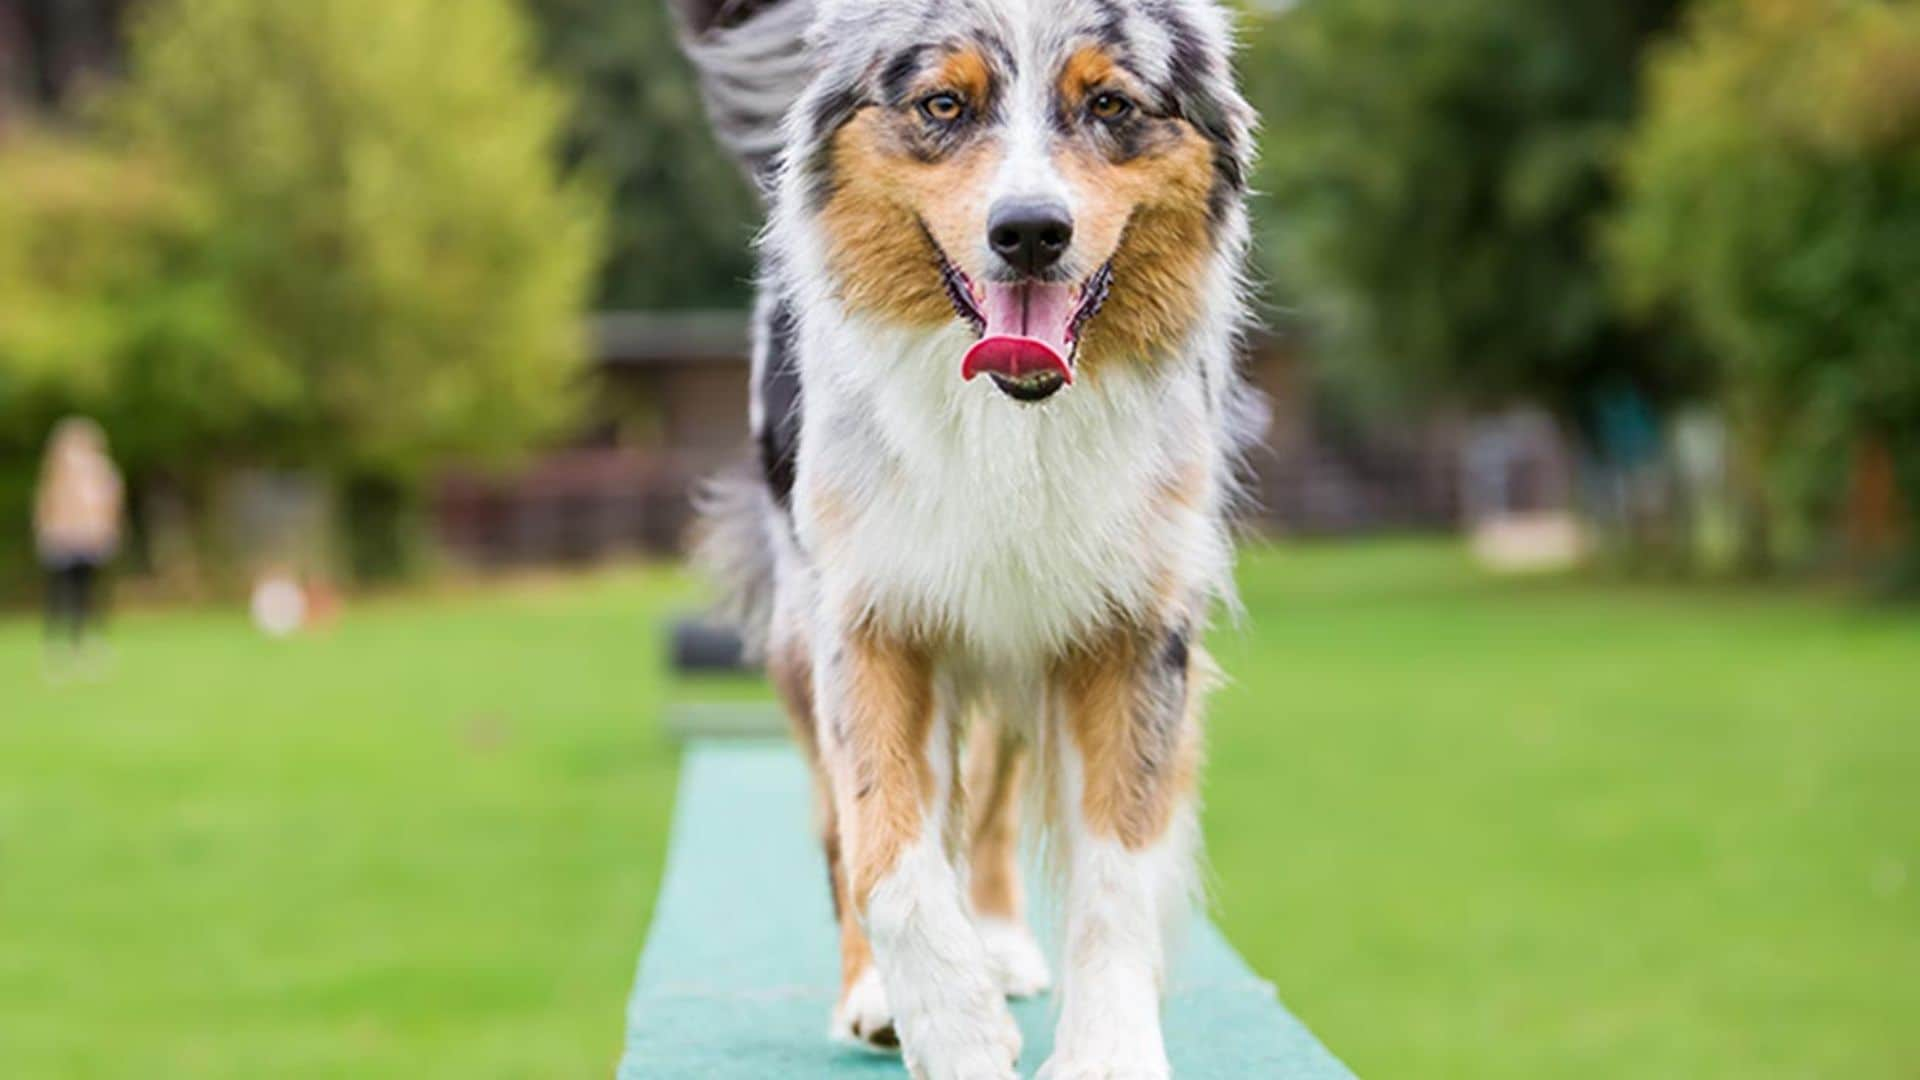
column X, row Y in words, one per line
column 1030, row 234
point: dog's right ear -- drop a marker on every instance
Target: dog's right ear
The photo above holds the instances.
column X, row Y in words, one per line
column 1207, row 94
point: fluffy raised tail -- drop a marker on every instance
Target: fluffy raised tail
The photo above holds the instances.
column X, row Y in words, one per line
column 752, row 61
column 735, row 547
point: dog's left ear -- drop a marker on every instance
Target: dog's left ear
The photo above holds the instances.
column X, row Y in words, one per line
column 1204, row 92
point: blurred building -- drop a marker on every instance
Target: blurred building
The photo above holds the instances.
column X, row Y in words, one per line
column 669, row 407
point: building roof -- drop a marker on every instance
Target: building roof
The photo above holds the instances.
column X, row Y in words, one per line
column 670, row 337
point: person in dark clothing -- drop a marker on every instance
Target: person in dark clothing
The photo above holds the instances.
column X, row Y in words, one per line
column 72, row 603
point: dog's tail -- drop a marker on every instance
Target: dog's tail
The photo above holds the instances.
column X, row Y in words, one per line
column 736, row 546
column 752, row 60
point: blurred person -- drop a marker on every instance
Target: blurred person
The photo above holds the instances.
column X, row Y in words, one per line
column 76, row 525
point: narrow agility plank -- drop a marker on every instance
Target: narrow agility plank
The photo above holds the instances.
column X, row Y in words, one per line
column 740, row 967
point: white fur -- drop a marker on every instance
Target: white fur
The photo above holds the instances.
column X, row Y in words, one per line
column 1122, row 909
column 1016, row 529
column 952, row 1019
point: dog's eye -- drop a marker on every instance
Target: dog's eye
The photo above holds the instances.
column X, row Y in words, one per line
column 943, row 108
column 1109, row 106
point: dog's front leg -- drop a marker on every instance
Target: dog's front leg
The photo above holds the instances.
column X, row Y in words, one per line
column 1129, row 750
column 893, row 760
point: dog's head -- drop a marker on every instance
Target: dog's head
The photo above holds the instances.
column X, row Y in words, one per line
column 1062, row 175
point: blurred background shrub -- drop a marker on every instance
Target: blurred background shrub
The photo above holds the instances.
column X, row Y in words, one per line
column 1434, row 174
column 1773, row 203
column 332, row 236
column 683, row 218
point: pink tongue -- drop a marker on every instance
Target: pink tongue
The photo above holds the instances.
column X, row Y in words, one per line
column 1026, row 332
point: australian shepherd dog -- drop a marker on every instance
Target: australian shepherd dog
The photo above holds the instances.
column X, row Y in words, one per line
column 998, row 418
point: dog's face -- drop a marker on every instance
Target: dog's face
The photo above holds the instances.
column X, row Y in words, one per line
column 1058, row 174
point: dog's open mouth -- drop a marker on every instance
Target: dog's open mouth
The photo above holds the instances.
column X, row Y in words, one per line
column 1029, row 330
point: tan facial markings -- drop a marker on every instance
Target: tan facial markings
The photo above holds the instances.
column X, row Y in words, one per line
column 1142, row 197
column 1085, row 73
column 891, row 194
column 965, row 72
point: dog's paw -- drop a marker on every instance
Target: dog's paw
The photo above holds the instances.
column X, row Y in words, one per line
column 1117, row 1050
column 1018, row 965
column 862, row 1017
column 1058, row 1068
column 978, row 1041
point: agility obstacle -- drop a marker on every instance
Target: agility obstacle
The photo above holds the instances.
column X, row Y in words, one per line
column 740, row 968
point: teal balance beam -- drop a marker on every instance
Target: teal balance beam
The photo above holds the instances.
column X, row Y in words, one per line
column 740, row 969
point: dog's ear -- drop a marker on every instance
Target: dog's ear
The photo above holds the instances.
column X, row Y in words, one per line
column 1201, row 84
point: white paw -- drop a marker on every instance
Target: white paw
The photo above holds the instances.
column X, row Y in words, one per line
column 1077, row 1069
column 1111, row 1035
column 976, row 1041
column 862, row 1017
column 1015, row 958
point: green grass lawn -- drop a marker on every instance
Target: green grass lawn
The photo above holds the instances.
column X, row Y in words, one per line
column 1471, row 828
column 1559, row 830
column 422, row 845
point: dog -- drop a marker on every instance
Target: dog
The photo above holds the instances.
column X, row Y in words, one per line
column 999, row 423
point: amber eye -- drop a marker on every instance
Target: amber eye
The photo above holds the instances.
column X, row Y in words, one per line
column 1109, row 106
column 943, row 108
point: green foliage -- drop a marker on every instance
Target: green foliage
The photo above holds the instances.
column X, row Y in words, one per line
column 683, row 217
column 1435, row 173
column 329, row 236
column 1774, row 202
column 407, row 270
column 109, row 304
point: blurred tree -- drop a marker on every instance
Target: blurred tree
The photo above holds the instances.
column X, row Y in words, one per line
column 110, row 306
column 683, row 218
column 406, row 268
column 1774, row 202
column 1436, row 172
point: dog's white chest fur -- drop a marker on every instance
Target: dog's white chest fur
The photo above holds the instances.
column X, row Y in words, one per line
column 1015, row 529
